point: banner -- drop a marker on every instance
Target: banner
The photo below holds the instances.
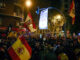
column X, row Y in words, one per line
column 43, row 21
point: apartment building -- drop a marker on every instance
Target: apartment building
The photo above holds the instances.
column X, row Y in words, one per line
column 11, row 12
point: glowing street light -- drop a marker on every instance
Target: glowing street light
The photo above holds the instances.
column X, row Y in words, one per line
column 28, row 3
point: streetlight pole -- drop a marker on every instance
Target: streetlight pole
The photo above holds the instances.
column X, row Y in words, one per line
column 28, row 3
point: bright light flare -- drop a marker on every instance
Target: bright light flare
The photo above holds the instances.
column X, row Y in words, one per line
column 28, row 3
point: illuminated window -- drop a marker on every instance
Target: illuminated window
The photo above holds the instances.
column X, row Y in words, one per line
column 17, row 11
column 2, row 4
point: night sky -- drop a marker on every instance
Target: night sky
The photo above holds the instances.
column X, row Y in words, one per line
column 46, row 3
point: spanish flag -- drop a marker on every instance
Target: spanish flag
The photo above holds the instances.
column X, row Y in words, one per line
column 29, row 23
column 72, row 11
column 20, row 50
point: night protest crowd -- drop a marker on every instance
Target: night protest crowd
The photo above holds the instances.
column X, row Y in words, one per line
column 44, row 48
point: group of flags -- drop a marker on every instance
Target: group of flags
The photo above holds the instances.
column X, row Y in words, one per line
column 72, row 11
column 20, row 49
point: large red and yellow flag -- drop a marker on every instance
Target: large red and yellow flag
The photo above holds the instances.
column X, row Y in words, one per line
column 29, row 23
column 20, row 50
column 72, row 11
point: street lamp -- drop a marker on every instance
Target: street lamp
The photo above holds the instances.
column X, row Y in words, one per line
column 28, row 3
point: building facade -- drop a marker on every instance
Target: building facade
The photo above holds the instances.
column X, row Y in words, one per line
column 11, row 12
column 66, row 5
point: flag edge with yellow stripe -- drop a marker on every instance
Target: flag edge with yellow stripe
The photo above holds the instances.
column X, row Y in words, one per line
column 72, row 7
column 30, row 26
column 12, row 52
